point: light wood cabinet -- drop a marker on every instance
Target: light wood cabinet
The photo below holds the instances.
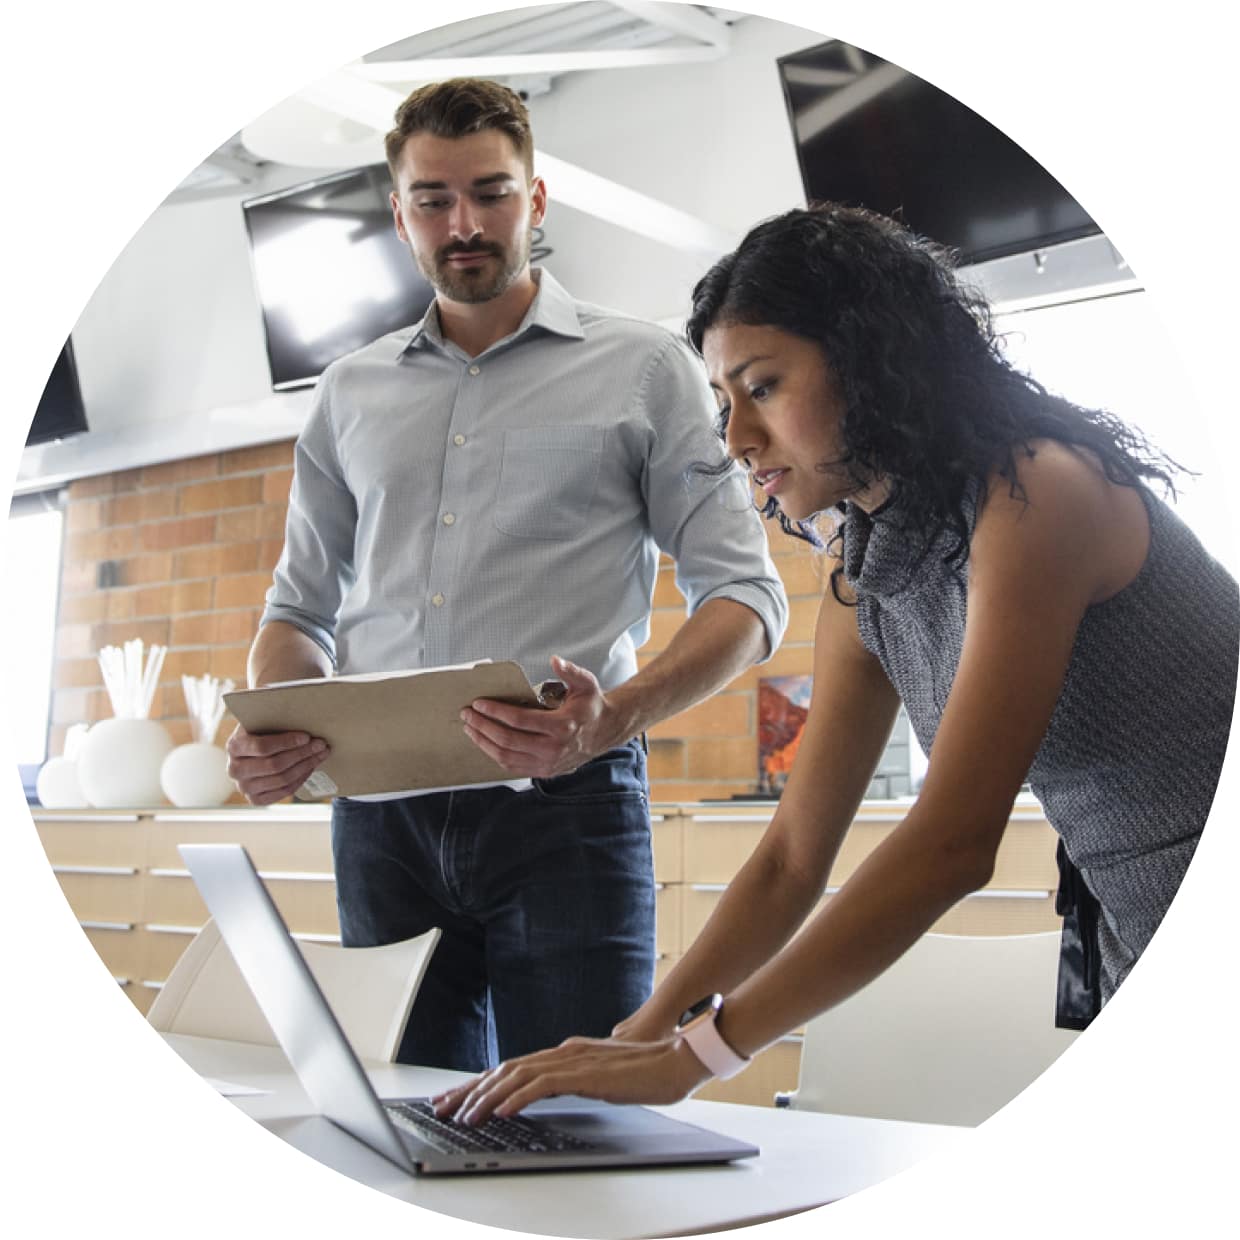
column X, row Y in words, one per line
column 292, row 840
column 667, row 843
column 716, row 839
column 129, row 888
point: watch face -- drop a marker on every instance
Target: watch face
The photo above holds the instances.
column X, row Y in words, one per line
column 711, row 1003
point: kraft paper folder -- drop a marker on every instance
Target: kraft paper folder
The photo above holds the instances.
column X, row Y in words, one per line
column 388, row 732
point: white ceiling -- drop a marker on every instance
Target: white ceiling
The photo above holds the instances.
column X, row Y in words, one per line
column 339, row 121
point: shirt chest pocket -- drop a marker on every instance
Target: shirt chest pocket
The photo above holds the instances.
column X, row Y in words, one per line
column 548, row 477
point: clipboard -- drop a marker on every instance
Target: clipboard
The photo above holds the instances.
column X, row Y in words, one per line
column 390, row 733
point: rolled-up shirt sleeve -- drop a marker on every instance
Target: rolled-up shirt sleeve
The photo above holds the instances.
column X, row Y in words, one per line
column 699, row 506
column 316, row 567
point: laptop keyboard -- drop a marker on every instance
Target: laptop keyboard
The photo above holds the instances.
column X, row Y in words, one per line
column 509, row 1136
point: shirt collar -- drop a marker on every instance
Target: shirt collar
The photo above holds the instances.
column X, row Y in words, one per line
column 553, row 310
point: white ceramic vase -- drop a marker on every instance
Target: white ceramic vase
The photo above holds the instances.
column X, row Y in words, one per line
column 195, row 776
column 118, row 765
column 58, row 786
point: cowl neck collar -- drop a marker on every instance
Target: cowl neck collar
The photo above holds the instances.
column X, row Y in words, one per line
column 878, row 556
column 883, row 550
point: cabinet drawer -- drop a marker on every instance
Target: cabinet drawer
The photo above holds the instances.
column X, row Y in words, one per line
column 288, row 846
column 101, row 895
column 308, row 904
column 668, row 934
column 667, row 841
column 716, row 846
column 79, row 841
column 1026, row 856
column 164, row 948
column 861, row 839
column 1025, row 859
column 699, row 903
column 141, row 996
column 663, row 965
column 998, row 914
column 122, row 950
column 985, row 912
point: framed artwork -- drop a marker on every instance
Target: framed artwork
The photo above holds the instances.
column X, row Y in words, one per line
column 783, row 705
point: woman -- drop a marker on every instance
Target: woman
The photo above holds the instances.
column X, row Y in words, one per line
column 998, row 564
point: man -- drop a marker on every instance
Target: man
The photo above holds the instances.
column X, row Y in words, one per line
column 496, row 482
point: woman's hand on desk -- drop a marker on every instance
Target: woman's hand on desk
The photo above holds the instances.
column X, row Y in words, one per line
column 604, row 1068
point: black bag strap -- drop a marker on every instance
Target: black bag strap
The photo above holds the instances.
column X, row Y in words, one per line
column 1078, row 998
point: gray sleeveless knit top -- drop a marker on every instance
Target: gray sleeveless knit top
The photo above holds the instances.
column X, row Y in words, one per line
column 1127, row 769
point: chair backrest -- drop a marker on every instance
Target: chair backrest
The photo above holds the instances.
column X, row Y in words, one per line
column 955, row 1029
column 370, row 989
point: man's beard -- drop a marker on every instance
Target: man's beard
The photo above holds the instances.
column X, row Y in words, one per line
column 476, row 284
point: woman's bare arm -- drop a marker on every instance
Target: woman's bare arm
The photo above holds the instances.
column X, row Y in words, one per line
column 1034, row 569
column 850, row 717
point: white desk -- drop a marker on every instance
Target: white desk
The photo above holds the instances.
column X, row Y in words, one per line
column 807, row 1159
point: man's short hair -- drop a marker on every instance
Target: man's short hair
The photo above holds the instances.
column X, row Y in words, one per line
column 457, row 108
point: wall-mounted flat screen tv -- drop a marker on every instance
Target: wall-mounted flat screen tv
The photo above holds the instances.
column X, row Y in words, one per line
column 870, row 134
column 60, row 412
column 330, row 271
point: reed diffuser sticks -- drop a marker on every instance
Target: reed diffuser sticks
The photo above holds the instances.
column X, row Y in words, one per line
column 130, row 679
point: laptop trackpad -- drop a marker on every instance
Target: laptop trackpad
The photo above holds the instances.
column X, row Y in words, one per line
column 615, row 1127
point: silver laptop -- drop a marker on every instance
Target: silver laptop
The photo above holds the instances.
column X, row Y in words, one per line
column 554, row 1134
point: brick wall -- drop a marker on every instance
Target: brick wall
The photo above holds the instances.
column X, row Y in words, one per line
column 178, row 554
column 181, row 555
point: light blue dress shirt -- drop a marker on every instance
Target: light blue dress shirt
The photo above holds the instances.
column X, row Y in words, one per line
column 512, row 505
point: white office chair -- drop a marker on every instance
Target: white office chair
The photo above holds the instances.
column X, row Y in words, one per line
column 370, row 989
column 955, row 1029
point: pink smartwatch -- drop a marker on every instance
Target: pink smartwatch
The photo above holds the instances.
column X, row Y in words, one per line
column 697, row 1027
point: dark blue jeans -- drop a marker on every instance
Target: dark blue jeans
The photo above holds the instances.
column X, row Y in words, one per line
column 545, row 899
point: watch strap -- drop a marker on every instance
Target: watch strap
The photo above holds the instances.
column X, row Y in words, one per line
column 707, row 1043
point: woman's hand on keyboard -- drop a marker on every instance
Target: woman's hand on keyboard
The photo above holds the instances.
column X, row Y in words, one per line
column 604, row 1068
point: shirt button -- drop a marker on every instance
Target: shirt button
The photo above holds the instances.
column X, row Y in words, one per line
column 437, row 599
column 458, row 440
column 449, row 518
column 475, row 370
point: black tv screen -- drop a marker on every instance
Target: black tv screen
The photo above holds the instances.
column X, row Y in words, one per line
column 60, row 412
column 331, row 273
column 870, row 134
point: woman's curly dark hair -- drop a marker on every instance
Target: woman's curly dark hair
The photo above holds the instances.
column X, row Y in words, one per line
column 931, row 404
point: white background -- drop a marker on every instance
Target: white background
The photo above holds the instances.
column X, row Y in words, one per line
column 104, row 1132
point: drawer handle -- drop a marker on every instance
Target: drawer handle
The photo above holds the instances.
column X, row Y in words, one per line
column 996, row 893
column 248, row 815
column 106, row 925
column 296, row 876
column 292, row 876
column 94, row 869
column 165, row 928
column 92, row 819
